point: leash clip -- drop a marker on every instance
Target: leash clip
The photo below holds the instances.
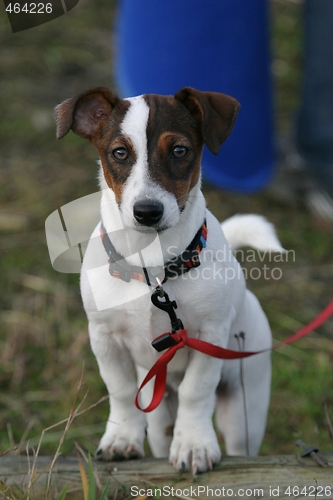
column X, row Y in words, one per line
column 168, row 306
column 161, row 300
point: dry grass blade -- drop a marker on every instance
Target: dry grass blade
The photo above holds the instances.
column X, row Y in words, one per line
column 25, row 435
column 10, row 435
column 81, row 451
column 73, row 414
column 328, row 421
column 9, row 451
column 87, row 459
column 84, row 479
column 68, row 421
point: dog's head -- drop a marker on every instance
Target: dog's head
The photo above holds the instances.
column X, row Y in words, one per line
column 150, row 146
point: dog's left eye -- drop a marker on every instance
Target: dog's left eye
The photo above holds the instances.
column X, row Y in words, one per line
column 179, row 152
column 120, row 154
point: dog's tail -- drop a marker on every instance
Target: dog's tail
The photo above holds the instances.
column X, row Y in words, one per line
column 253, row 231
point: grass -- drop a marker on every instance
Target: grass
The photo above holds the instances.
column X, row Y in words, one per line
column 44, row 346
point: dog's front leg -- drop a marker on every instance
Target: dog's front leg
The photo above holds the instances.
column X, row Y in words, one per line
column 125, row 429
column 161, row 420
column 195, row 446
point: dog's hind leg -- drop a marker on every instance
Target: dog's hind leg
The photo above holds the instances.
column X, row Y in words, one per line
column 161, row 420
column 243, row 397
column 241, row 409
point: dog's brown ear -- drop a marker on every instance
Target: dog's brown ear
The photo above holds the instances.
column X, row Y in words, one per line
column 86, row 114
column 215, row 112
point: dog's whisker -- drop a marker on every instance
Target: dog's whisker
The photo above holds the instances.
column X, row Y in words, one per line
column 191, row 202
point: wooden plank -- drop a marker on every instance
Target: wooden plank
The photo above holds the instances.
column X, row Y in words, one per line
column 284, row 476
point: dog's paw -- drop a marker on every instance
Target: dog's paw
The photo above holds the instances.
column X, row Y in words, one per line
column 121, row 442
column 195, row 450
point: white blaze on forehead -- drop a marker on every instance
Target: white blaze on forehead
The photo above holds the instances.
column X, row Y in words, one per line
column 139, row 185
column 134, row 126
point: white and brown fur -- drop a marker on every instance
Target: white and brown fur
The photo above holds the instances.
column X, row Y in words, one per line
column 139, row 140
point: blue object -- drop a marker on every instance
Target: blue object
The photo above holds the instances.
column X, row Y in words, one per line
column 219, row 45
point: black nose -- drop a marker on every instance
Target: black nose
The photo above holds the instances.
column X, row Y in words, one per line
column 148, row 213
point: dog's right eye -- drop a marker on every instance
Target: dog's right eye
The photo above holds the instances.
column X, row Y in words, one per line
column 179, row 152
column 120, row 154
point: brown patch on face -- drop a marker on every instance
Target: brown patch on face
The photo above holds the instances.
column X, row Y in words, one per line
column 170, row 129
column 187, row 120
column 96, row 115
column 115, row 171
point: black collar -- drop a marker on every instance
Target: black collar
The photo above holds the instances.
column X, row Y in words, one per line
column 119, row 268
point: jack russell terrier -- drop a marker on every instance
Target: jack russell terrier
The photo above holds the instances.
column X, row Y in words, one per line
column 150, row 151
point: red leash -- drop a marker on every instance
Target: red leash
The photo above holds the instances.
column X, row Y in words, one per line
column 159, row 369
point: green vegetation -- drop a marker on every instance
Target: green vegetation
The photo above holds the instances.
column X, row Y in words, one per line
column 44, row 344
